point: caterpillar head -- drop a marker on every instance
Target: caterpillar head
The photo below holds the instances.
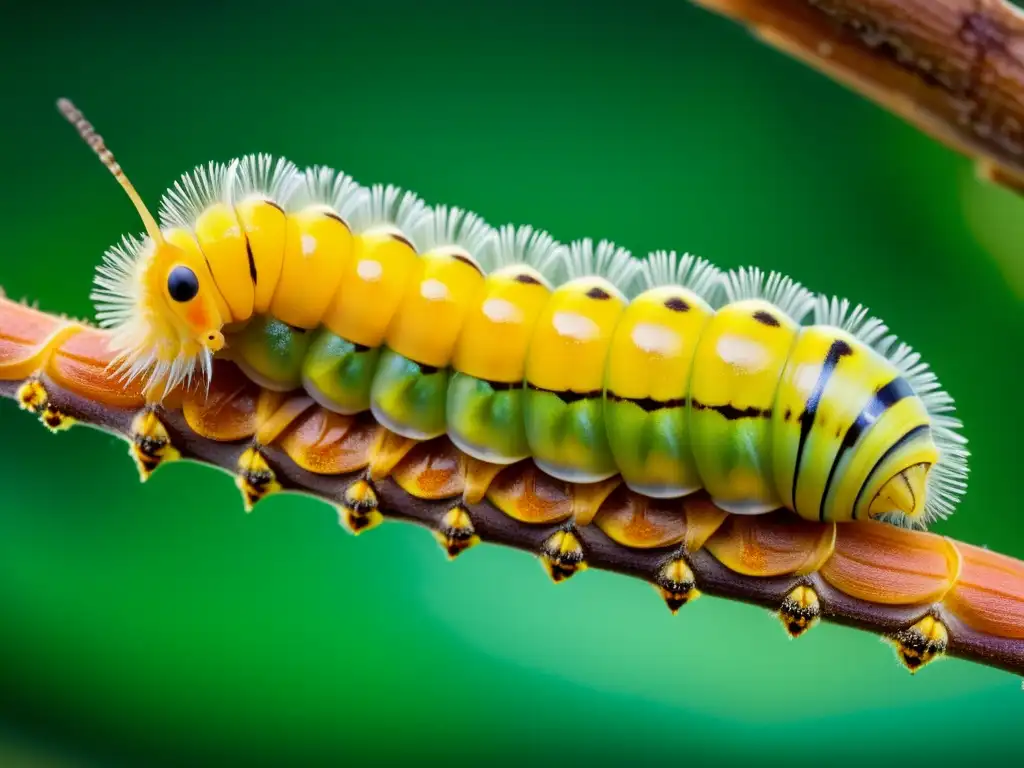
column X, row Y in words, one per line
column 160, row 302
column 157, row 296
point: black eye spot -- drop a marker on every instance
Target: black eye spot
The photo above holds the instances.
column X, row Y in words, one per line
column 598, row 293
column 182, row 284
column 676, row 304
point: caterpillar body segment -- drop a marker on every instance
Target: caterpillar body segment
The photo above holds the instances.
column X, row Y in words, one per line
column 663, row 373
column 928, row 594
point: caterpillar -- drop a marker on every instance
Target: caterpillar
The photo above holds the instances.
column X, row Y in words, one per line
column 667, row 372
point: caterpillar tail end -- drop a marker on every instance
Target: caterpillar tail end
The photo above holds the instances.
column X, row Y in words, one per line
column 921, row 643
column 150, row 444
column 33, row 397
column 359, row 510
column 256, row 480
column 562, row 555
column 800, row 610
column 455, row 531
column 676, row 584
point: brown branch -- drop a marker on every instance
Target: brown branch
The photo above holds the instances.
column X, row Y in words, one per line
column 911, row 627
column 952, row 68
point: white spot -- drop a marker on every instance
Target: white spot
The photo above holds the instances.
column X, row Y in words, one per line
column 308, row 245
column 575, row 326
column 369, row 270
column 806, row 377
column 748, row 356
column 656, row 339
column 502, row 311
column 433, row 290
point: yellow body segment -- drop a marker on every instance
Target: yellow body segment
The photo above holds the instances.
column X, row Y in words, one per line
column 898, row 441
column 221, row 238
column 265, row 227
column 571, row 338
column 317, row 248
column 499, row 323
column 373, row 283
column 736, row 372
column 654, row 343
column 440, row 289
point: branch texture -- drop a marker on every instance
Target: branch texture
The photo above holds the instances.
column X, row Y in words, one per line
column 952, row 68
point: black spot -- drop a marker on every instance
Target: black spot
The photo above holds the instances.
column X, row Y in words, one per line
column 598, row 293
column 503, row 386
column 766, row 318
column 252, row 261
column 297, row 329
column 526, row 279
column 359, row 348
column 182, row 284
column 467, row 261
column 676, row 304
column 427, row 370
column 788, row 414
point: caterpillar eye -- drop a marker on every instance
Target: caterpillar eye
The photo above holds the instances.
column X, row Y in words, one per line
column 182, row 284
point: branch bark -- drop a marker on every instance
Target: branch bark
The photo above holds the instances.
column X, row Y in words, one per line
column 952, row 68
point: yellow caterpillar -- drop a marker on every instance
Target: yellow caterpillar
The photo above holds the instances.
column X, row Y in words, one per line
column 665, row 371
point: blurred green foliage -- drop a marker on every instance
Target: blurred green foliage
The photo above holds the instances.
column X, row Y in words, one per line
column 159, row 625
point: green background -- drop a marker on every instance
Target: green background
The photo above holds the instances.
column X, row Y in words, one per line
column 158, row 624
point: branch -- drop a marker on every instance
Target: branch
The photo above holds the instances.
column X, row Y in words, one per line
column 952, row 68
column 928, row 594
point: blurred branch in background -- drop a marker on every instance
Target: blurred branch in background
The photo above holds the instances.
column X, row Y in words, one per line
column 952, row 68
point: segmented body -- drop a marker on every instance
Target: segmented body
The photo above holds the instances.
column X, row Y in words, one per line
column 595, row 364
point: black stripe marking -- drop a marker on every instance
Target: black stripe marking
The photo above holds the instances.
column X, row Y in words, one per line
column 836, row 352
column 567, row 396
column 884, row 399
column 648, row 404
column 252, row 262
column 913, row 433
column 732, row 413
column 272, row 204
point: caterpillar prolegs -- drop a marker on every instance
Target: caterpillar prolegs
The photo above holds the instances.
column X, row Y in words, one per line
column 665, row 372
